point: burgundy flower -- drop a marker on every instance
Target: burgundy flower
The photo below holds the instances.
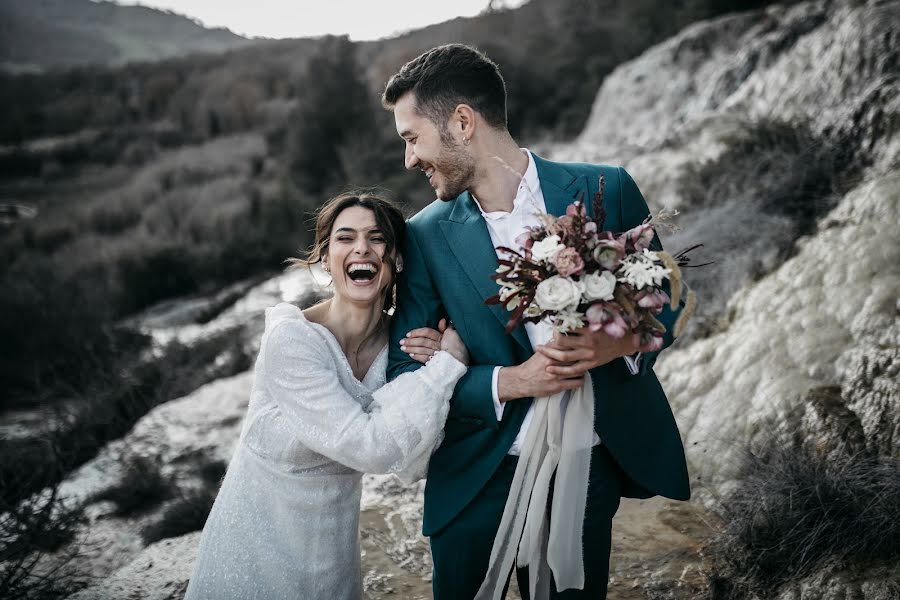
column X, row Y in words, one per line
column 575, row 209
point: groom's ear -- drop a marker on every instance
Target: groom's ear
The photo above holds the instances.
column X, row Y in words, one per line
column 463, row 119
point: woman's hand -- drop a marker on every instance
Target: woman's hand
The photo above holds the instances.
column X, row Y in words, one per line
column 452, row 343
column 422, row 343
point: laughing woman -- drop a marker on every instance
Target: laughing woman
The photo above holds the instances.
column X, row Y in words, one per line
column 285, row 522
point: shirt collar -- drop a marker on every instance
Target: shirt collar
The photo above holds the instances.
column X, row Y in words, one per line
column 528, row 190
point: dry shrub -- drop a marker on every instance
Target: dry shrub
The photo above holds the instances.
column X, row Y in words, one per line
column 142, row 486
column 795, row 511
column 750, row 205
column 30, row 530
column 191, row 508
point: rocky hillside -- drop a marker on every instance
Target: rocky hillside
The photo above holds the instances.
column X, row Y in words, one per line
column 729, row 122
column 774, row 132
column 67, row 33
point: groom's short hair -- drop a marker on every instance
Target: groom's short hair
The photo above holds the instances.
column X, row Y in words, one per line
column 447, row 76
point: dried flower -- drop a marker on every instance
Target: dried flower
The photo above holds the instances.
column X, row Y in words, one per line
column 639, row 237
column 599, row 286
column 641, row 270
column 652, row 300
column 546, row 248
column 557, row 293
column 689, row 306
column 609, row 253
column 572, row 273
column 568, row 262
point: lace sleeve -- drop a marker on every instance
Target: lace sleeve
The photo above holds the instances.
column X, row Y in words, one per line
column 401, row 424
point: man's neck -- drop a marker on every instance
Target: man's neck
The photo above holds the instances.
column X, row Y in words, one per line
column 501, row 167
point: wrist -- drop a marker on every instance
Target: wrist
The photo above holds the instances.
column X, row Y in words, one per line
column 506, row 384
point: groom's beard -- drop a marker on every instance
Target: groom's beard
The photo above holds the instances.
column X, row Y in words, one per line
column 457, row 170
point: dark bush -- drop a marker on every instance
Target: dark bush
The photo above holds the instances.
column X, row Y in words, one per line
column 795, row 511
column 158, row 273
column 142, row 486
column 749, row 207
column 110, row 407
column 212, row 472
column 57, row 333
column 186, row 514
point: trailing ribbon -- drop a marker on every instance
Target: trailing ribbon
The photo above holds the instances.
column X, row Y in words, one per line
column 559, row 440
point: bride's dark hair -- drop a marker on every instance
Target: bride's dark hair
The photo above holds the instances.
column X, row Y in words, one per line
column 389, row 219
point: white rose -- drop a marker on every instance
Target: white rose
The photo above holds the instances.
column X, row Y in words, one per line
column 599, row 287
column 557, row 293
column 547, row 248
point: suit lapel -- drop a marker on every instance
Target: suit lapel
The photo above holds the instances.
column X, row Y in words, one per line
column 559, row 186
column 467, row 235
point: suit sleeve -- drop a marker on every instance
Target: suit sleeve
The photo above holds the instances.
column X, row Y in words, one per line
column 419, row 305
column 634, row 211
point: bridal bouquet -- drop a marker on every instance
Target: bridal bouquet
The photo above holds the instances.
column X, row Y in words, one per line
column 574, row 274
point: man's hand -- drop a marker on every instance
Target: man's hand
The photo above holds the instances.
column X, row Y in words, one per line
column 422, row 343
column 533, row 379
column 574, row 354
column 452, row 343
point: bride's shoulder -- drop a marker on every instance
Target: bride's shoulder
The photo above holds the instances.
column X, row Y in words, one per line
column 288, row 327
column 281, row 313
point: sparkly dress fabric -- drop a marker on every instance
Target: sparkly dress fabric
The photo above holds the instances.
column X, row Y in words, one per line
column 286, row 521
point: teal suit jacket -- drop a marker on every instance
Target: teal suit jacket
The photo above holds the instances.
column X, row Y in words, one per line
column 449, row 258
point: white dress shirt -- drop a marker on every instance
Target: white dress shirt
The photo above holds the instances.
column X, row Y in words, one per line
column 504, row 227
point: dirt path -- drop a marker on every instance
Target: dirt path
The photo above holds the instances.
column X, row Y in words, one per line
column 654, row 556
column 655, row 552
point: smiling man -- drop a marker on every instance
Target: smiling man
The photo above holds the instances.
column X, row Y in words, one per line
column 449, row 107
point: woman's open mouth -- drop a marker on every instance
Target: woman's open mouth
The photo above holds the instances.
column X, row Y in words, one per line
column 362, row 273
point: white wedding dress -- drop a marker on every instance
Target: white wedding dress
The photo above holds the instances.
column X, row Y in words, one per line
column 285, row 522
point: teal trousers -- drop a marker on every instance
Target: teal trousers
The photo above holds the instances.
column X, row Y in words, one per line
column 461, row 551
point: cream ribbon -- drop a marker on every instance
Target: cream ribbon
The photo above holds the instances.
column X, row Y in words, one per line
column 559, row 441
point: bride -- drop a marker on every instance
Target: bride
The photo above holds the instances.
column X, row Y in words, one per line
column 285, row 522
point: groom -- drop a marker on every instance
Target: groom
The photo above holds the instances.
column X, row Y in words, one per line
column 449, row 107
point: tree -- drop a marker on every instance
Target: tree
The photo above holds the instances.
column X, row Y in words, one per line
column 334, row 108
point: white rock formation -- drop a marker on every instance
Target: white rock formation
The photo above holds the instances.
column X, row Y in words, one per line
column 818, row 320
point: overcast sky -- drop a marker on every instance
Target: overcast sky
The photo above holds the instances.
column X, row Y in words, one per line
column 360, row 19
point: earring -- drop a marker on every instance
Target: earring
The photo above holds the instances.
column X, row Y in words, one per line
column 325, row 268
column 465, row 141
